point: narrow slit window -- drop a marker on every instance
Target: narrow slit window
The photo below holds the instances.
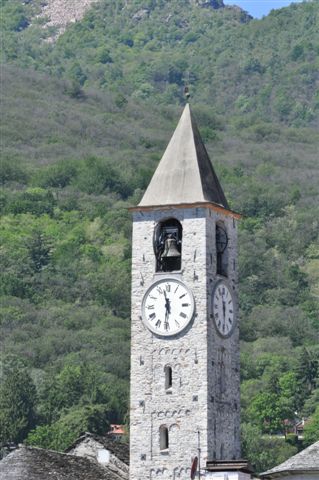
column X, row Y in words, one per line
column 164, row 438
column 168, row 377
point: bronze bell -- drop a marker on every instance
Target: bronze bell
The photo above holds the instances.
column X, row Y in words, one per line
column 170, row 249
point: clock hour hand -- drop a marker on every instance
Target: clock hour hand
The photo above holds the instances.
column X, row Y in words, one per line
column 166, row 323
column 224, row 314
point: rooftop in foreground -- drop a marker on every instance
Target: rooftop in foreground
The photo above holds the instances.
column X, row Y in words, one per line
column 305, row 461
column 30, row 463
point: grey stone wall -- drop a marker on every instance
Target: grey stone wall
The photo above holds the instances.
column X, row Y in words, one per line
column 197, row 356
column 223, row 354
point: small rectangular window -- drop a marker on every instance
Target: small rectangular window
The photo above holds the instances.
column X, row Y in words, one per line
column 164, row 438
column 168, row 377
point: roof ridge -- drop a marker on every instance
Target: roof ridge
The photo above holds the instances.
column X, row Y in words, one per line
column 303, row 457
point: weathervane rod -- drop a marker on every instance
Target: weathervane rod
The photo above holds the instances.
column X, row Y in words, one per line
column 198, row 436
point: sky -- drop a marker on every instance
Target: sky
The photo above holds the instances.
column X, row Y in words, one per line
column 259, row 8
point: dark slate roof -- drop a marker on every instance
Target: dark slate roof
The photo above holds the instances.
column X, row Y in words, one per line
column 229, row 466
column 119, row 449
column 305, row 461
column 185, row 174
column 29, row 463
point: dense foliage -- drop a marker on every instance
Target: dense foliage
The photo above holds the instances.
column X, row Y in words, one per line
column 82, row 138
column 149, row 48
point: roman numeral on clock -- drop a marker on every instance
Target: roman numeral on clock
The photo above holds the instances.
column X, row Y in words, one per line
column 182, row 314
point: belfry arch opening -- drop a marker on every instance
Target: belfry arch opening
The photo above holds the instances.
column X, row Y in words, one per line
column 221, row 249
column 168, row 245
column 164, row 440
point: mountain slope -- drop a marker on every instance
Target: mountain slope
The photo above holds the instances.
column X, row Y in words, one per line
column 267, row 67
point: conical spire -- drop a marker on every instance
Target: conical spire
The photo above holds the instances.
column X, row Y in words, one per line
column 185, row 174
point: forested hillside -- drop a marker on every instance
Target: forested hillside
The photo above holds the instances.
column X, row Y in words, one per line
column 85, row 121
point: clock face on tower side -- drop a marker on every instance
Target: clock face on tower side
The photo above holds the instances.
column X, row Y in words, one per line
column 168, row 306
column 223, row 309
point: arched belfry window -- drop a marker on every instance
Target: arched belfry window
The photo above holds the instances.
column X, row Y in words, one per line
column 221, row 249
column 168, row 245
column 163, row 433
column 168, row 377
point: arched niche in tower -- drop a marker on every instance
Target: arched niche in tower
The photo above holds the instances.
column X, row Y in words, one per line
column 168, row 236
column 163, row 437
column 221, row 249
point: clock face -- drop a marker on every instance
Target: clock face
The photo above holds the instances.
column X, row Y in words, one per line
column 167, row 307
column 223, row 309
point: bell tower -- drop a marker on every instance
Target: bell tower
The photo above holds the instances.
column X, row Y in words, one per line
column 185, row 333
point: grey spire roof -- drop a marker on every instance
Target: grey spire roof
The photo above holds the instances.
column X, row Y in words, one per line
column 185, row 174
column 305, row 461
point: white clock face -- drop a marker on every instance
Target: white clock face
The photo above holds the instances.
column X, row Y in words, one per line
column 223, row 309
column 167, row 307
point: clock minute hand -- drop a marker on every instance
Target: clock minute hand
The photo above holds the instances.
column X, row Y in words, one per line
column 167, row 312
column 224, row 309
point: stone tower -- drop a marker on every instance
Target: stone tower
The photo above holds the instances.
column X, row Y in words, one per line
column 185, row 342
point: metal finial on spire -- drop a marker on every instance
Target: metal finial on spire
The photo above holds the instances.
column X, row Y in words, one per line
column 187, row 93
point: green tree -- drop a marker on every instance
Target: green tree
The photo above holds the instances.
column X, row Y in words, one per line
column 311, row 403
column 103, row 55
column 306, row 373
column 61, row 434
column 17, row 406
column 264, row 452
column 14, row 16
column 311, row 430
column 266, row 412
column 61, row 392
column 39, row 250
column 37, row 201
